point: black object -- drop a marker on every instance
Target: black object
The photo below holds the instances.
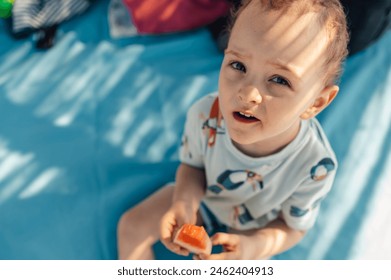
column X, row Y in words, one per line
column 367, row 21
column 46, row 37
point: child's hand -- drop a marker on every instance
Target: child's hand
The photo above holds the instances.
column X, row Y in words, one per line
column 236, row 247
column 175, row 217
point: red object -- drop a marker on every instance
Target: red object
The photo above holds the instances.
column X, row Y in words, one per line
column 214, row 114
column 194, row 238
column 167, row 16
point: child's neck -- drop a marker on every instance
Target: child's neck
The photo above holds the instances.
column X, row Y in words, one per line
column 269, row 146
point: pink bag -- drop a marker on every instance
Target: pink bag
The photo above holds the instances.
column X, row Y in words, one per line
column 166, row 16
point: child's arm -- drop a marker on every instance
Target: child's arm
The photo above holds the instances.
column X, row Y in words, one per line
column 263, row 243
column 188, row 192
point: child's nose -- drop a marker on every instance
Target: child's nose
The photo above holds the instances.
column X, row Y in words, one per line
column 250, row 94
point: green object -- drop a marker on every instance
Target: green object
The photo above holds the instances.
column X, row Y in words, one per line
column 6, row 8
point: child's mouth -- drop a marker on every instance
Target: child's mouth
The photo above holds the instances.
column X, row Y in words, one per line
column 244, row 118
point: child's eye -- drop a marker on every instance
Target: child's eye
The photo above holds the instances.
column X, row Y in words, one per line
column 238, row 66
column 280, row 80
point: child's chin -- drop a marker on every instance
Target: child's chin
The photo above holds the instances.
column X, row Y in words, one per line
column 242, row 141
column 241, row 136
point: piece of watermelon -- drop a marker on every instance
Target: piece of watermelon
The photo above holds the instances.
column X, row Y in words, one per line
column 194, row 238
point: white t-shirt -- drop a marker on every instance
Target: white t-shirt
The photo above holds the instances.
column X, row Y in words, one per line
column 245, row 192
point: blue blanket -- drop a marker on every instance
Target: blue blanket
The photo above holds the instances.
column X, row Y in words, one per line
column 91, row 127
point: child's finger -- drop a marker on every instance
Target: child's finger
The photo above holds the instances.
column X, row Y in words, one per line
column 222, row 238
column 167, row 226
column 166, row 233
column 174, row 247
column 181, row 251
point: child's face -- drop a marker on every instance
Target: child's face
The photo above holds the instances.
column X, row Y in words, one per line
column 272, row 71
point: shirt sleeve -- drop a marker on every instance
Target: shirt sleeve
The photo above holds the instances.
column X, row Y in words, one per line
column 191, row 151
column 301, row 209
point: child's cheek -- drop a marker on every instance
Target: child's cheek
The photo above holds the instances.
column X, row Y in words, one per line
column 231, row 78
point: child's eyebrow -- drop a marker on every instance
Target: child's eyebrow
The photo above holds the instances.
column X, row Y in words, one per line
column 235, row 53
column 285, row 66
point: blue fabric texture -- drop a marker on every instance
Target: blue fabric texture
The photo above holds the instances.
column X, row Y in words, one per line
column 92, row 126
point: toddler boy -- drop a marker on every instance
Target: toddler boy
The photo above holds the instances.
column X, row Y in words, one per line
column 254, row 160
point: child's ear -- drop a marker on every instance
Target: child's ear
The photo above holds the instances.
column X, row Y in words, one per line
column 322, row 101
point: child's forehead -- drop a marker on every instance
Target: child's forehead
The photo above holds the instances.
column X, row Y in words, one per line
column 276, row 22
column 289, row 37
